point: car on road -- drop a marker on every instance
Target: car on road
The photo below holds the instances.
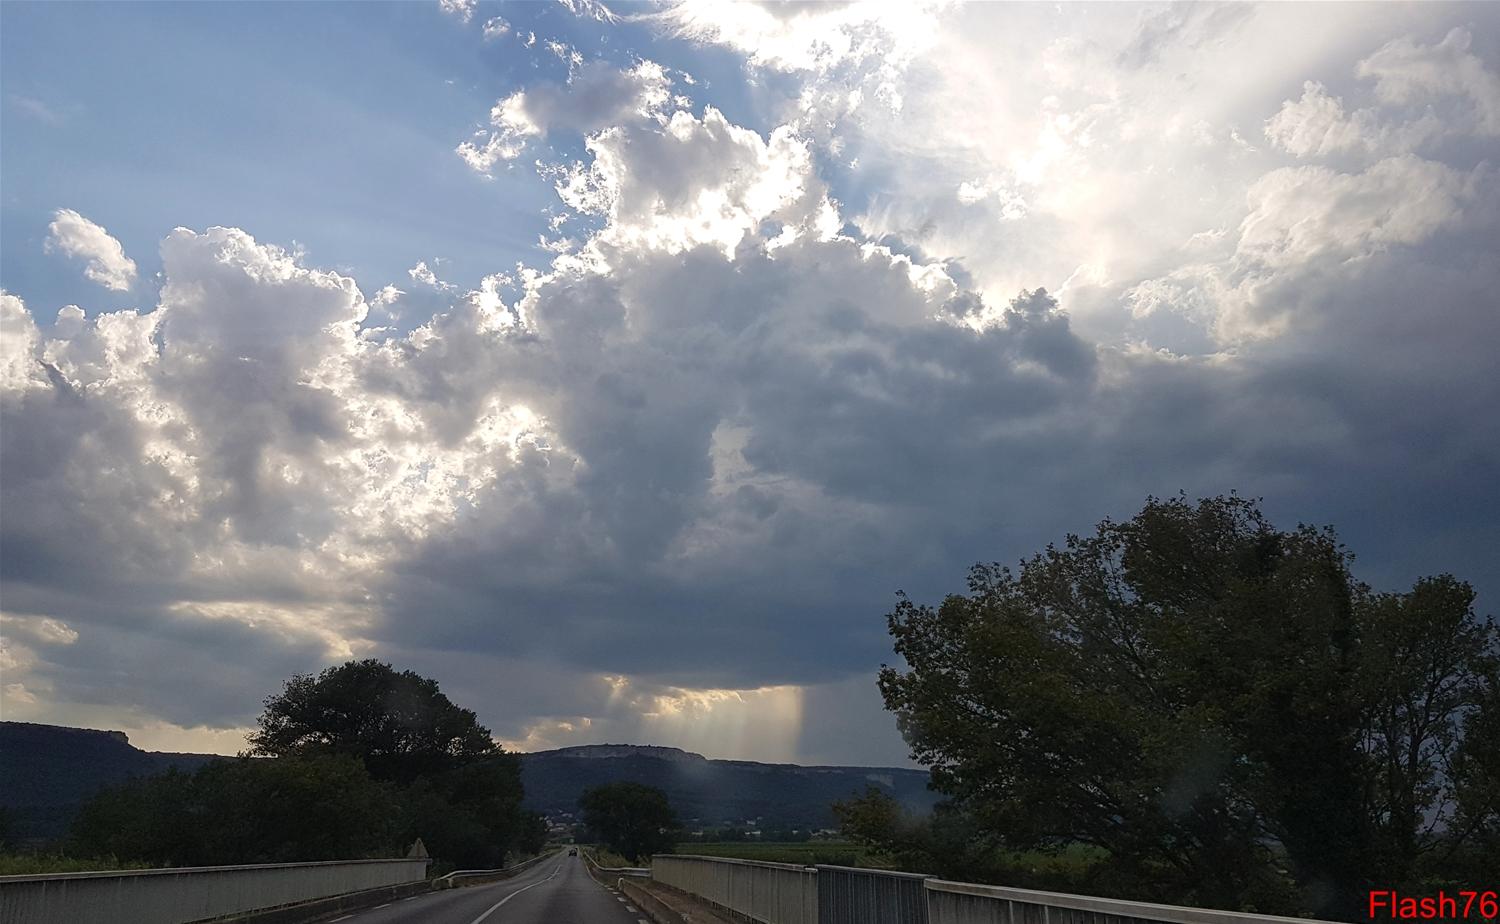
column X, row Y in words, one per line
column 572, row 851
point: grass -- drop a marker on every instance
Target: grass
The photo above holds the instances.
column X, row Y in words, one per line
column 608, row 858
column 32, row 864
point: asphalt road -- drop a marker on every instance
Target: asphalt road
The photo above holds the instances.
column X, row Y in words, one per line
column 557, row 891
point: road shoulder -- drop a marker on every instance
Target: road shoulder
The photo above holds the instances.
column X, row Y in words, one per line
column 665, row 905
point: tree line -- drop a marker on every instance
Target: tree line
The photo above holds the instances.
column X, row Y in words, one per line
column 1196, row 707
column 359, row 761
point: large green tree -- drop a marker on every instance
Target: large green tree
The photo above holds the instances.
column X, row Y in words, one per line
column 632, row 819
column 358, row 761
column 1215, row 703
column 398, row 723
column 1428, row 694
column 458, row 790
column 471, row 815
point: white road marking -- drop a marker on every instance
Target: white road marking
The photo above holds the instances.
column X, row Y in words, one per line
column 386, row 905
column 630, row 909
column 512, row 895
column 344, row 918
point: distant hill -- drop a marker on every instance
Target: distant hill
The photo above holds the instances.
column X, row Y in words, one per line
column 714, row 791
column 48, row 771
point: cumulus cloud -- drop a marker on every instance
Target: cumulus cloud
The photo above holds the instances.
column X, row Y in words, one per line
column 463, row 9
column 594, row 96
column 18, row 342
column 420, row 273
column 1422, row 93
column 801, row 36
column 590, row 9
column 1316, row 125
column 495, row 27
column 697, row 181
column 1310, row 222
column 729, row 419
column 76, row 236
column 1406, row 72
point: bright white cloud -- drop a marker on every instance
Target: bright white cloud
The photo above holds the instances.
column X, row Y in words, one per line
column 1301, row 214
column 19, row 338
column 1316, row 125
column 590, row 9
column 1408, row 72
column 463, row 9
column 697, row 181
column 1307, row 222
column 420, row 273
column 595, row 96
column 801, row 36
column 76, row 236
column 495, row 27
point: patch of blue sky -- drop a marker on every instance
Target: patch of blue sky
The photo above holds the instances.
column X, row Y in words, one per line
column 328, row 126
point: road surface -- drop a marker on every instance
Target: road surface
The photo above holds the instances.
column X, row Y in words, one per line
column 555, row 891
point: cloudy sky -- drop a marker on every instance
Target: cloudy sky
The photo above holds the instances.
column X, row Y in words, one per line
column 616, row 366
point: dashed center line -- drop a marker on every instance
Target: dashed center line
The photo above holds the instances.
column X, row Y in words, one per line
column 512, row 895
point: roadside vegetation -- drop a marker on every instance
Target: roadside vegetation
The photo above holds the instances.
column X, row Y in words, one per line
column 1195, row 707
column 603, row 856
column 631, row 819
column 359, row 761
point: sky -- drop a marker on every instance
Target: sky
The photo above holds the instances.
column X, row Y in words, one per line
column 616, row 365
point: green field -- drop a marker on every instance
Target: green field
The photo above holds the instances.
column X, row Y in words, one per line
column 31, row 864
column 807, row 853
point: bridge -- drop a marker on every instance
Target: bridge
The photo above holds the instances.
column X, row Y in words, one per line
column 557, row 888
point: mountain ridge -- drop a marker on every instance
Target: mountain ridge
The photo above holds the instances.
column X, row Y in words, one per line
column 666, row 751
column 48, row 771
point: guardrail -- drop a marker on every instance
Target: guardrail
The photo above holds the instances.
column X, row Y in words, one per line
column 188, row 894
column 452, row 879
column 766, row 893
column 595, row 870
column 779, row 893
column 967, row 903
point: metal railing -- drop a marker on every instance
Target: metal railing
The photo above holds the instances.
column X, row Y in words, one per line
column 766, row 893
column 967, row 903
column 779, row 893
column 176, row 896
column 605, row 872
column 848, row 895
column 461, row 875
